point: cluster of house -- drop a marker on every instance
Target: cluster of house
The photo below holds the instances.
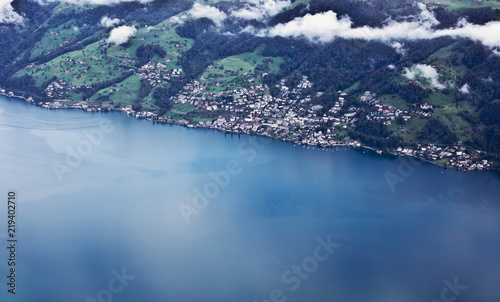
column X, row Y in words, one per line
column 154, row 73
column 383, row 111
column 157, row 73
column 457, row 156
column 253, row 111
column 58, row 89
column 290, row 116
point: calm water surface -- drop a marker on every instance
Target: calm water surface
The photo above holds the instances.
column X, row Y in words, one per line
column 117, row 209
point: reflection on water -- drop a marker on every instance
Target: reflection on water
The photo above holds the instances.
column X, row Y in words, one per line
column 102, row 215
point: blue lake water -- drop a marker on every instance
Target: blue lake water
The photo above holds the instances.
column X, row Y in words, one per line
column 117, row 209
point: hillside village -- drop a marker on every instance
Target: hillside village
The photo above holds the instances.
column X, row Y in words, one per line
column 254, row 111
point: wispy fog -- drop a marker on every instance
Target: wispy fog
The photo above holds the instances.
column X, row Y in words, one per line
column 7, row 13
column 120, row 35
column 326, row 26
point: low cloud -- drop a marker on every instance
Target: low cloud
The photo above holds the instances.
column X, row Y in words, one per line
column 326, row 26
column 206, row 11
column 252, row 10
column 175, row 20
column 87, row 2
column 424, row 72
column 260, row 9
column 108, row 22
column 7, row 13
column 249, row 30
column 399, row 47
column 100, row 2
column 487, row 34
column 120, row 35
column 464, row 89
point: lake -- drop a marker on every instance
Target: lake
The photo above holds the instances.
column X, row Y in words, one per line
column 111, row 208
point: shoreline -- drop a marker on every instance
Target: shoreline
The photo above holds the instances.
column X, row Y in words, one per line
column 355, row 145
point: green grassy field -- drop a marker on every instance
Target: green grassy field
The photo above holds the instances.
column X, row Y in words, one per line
column 413, row 126
column 296, row 3
column 52, row 40
column 163, row 34
column 449, row 117
column 63, row 34
column 125, row 92
column 352, row 88
column 395, row 101
column 182, row 108
column 450, row 70
column 99, row 62
column 236, row 72
column 457, row 124
column 202, row 119
column 68, row 8
column 179, row 111
column 79, row 68
column 462, row 4
column 55, row 38
column 439, row 99
column 442, row 161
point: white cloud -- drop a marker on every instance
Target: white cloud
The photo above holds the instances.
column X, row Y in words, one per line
column 260, row 9
column 98, row 2
column 321, row 27
column 108, row 22
column 7, row 13
column 249, row 30
column 399, row 48
column 326, row 26
column 253, row 9
column 175, row 20
column 465, row 89
column 426, row 16
column 488, row 34
column 206, row 11
column 120, row 35
column 426, row 72
column 391, row 66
